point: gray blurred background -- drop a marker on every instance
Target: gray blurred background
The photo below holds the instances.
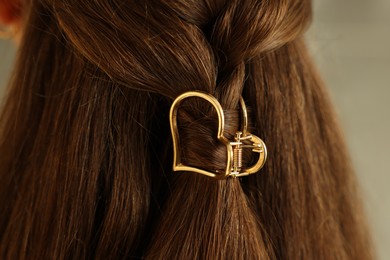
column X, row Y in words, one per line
column 350, row 41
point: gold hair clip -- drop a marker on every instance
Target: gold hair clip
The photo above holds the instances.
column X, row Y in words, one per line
column 242, row 140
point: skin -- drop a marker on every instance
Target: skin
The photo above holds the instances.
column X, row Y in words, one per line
column 10, row 17
column 9, row 12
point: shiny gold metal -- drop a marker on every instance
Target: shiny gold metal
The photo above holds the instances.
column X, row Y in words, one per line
column 242, row 140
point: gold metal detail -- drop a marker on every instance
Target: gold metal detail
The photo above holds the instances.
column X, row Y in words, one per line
column 234, row 149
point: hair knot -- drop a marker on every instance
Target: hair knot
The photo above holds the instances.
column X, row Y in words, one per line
column 248, row 28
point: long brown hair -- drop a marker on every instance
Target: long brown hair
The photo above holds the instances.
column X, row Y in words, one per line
column 86, row 150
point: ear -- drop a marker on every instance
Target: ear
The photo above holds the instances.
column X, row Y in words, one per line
column 10, row 12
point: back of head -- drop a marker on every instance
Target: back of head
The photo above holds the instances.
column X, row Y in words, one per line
column 86, row 149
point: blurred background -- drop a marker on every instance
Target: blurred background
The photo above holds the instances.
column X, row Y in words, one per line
column 350, row 41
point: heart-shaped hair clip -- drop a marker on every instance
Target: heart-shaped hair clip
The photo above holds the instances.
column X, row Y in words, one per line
column 242, row 140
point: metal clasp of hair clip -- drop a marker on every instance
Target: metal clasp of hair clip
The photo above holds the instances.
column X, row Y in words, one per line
column 234, row 149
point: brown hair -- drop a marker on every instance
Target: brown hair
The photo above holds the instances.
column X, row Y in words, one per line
column 86, row 150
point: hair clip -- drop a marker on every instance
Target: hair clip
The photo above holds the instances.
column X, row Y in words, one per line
column 242, row 140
